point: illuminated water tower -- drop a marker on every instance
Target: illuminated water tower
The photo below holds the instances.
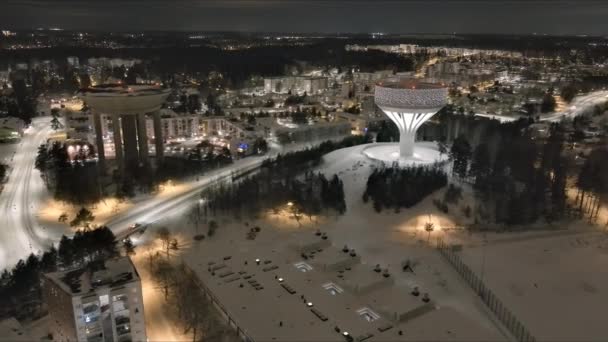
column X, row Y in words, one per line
column 127, row 106
column 409, row 103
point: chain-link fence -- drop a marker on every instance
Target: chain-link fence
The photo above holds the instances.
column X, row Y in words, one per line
column 519, row 331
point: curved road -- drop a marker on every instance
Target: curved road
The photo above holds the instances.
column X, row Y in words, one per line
column 20, row 233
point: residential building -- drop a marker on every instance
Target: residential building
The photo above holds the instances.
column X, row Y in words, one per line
column 101, row 302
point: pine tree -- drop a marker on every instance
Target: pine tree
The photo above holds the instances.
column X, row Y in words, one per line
column 460, row 154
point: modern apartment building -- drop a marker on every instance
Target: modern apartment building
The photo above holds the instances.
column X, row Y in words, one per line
column 97, row 303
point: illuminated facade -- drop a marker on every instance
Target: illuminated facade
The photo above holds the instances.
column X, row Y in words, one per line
column 409, row 103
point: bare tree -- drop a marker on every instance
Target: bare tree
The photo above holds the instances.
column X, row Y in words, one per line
column 164, row 236
column 163, row 272
column 212, row 228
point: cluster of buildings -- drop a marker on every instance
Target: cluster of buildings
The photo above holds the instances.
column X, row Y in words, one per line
column 173, row 127
column 464, row 74
column 444, row 50
column 295, row 84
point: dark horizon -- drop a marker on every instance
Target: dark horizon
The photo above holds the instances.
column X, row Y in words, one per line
column 511, row 17
column 305, row 34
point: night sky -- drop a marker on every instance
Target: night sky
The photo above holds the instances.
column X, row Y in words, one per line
column 391, row 16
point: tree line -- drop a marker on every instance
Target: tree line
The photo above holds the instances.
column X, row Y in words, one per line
column 76, row 182
column 517, row 179
column 279, row 182
column 295, row 161
column 395, row 187
column 309, row 195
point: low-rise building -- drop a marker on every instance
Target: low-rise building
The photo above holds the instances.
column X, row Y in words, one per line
column 295, row 84
column 360, row 123
column 308, row 289
column 12, row 125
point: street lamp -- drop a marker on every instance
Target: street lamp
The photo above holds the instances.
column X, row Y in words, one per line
column 294, row 211
column 429, row 227
column 198, row 214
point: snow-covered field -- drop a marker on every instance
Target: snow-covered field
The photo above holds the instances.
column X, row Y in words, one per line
column 389, row 238
column 556, row 285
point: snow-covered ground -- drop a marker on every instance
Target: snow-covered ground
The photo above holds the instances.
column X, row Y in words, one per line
column 20, row 231
column 424, row 153
column 552, row 280
column 566, row 264
column 387, row 238
column 555, row 284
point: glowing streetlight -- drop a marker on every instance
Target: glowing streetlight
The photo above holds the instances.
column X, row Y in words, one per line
column 429, row 227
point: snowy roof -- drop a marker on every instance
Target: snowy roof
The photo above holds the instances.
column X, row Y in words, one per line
column 81, row 281
column 269, row 300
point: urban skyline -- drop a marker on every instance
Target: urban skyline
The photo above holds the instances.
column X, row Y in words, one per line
column 187, row 170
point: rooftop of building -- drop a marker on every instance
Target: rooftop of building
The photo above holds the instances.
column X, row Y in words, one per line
column 105, row 273
column 308, row 287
